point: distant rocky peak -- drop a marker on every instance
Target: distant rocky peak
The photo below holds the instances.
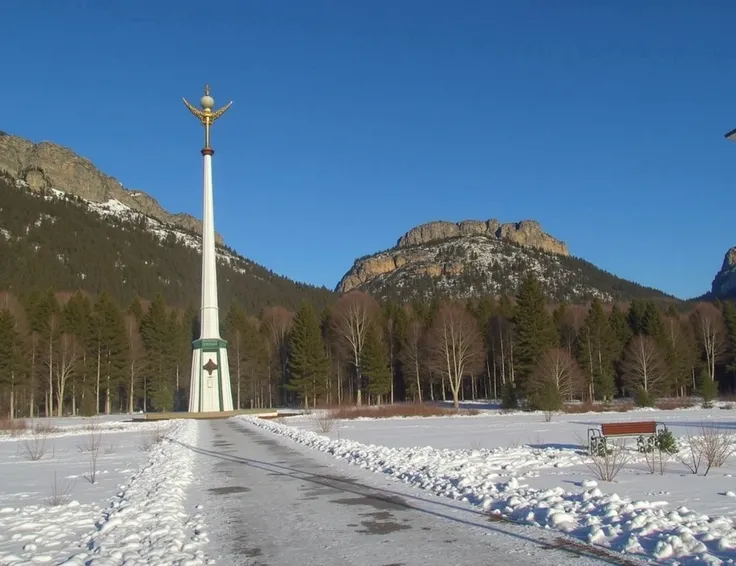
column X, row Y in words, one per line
column 46, row 165
column 526, row 233
column 724, row 283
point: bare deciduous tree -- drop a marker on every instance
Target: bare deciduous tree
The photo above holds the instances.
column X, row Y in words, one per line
column 456, row 346
column 277, row 323
column 559, row 368
column 136, row 356
column 53, row 330
column 502, row 343
column 354, row 313
column 412, row 352
column 710, row 331
column 67, row 358
column 572, row 322
column 643, row 367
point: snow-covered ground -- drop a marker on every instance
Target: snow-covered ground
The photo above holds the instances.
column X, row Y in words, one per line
column 98, row 491
column 533, row 471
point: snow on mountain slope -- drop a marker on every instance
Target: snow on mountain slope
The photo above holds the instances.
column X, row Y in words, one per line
column 163, row 231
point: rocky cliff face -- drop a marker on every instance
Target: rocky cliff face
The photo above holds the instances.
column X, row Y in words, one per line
column 415, row 250
column 476, row 258
column 46, row 165
column 526, row 233
column 724, row 283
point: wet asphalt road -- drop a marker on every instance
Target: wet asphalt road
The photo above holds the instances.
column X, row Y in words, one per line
column 270, row 501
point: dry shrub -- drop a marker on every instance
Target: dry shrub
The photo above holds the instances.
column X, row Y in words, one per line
column 13, row 427
column 153, row 436
column 672, row 404
column 712, row 447
column 588, row 407
column 91, row 446
column 35, row 446
column 325, row 421
column 397, row 410
column 606, row 463
column 60, row 492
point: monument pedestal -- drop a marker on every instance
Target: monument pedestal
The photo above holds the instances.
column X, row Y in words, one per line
column 210, row 388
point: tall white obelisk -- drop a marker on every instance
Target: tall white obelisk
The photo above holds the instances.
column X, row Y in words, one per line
column 210, row 389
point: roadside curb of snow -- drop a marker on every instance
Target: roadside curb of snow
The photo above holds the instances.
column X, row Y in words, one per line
column 639, row 528
column 147, row 522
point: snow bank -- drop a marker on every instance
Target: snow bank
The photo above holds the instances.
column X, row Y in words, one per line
column 488, row 480
column 83, row 426
column 147, row 522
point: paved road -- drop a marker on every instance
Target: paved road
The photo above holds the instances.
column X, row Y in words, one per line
column 270, row 501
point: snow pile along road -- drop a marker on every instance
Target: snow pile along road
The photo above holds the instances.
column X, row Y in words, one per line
column 486, row 479
column 147, row 522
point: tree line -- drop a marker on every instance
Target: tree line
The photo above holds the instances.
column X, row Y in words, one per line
column 63, row 353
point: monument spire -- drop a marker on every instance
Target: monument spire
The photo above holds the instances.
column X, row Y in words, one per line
column 210, row 388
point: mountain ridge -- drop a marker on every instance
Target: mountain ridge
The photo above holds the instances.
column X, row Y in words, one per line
column 474, row 258
column 51, row 238
column 46, row 165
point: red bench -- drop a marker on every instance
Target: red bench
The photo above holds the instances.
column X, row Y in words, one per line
column 644, row 431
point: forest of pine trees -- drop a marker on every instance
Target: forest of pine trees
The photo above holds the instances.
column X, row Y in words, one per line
column 63, row 354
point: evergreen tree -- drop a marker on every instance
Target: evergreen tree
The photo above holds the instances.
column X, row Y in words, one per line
column 11, row 358
column 181, row 328
column 678, row 354
column 652, row 322
column 620, row 329
column 135, row 308
column 375, row 364
column 49, row 309
column 136, row 350
column 636, row 317
column 535, row 332
column 256, row 364
column 559, row 316
column 159, row 340
column 232, row 331
column 596, row 352
column 308, row 363
column 110, row 347
column 729, row 318
column 76, row 320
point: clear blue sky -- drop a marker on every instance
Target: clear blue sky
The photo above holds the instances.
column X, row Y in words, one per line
column 355, row 120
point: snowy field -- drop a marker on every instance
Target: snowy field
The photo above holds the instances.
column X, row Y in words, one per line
column 525, row 469
column 98, row 491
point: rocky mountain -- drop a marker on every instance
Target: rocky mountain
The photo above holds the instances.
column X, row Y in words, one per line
column 54, row 238
column 724, row 283
column 525, row 233
column 45, row 165
column 475, row 257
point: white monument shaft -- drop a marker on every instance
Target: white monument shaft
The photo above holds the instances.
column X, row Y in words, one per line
column 210, row 389
column 209, row 314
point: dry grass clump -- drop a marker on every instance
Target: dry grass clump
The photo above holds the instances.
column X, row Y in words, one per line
column 674, row 403
column 13, row 427
column 45, row 427
column 588, row 407
column 397, row 410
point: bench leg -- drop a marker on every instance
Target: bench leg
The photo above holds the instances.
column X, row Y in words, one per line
column 598, row 446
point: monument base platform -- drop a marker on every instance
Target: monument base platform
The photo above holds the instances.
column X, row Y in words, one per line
column 262, row 413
